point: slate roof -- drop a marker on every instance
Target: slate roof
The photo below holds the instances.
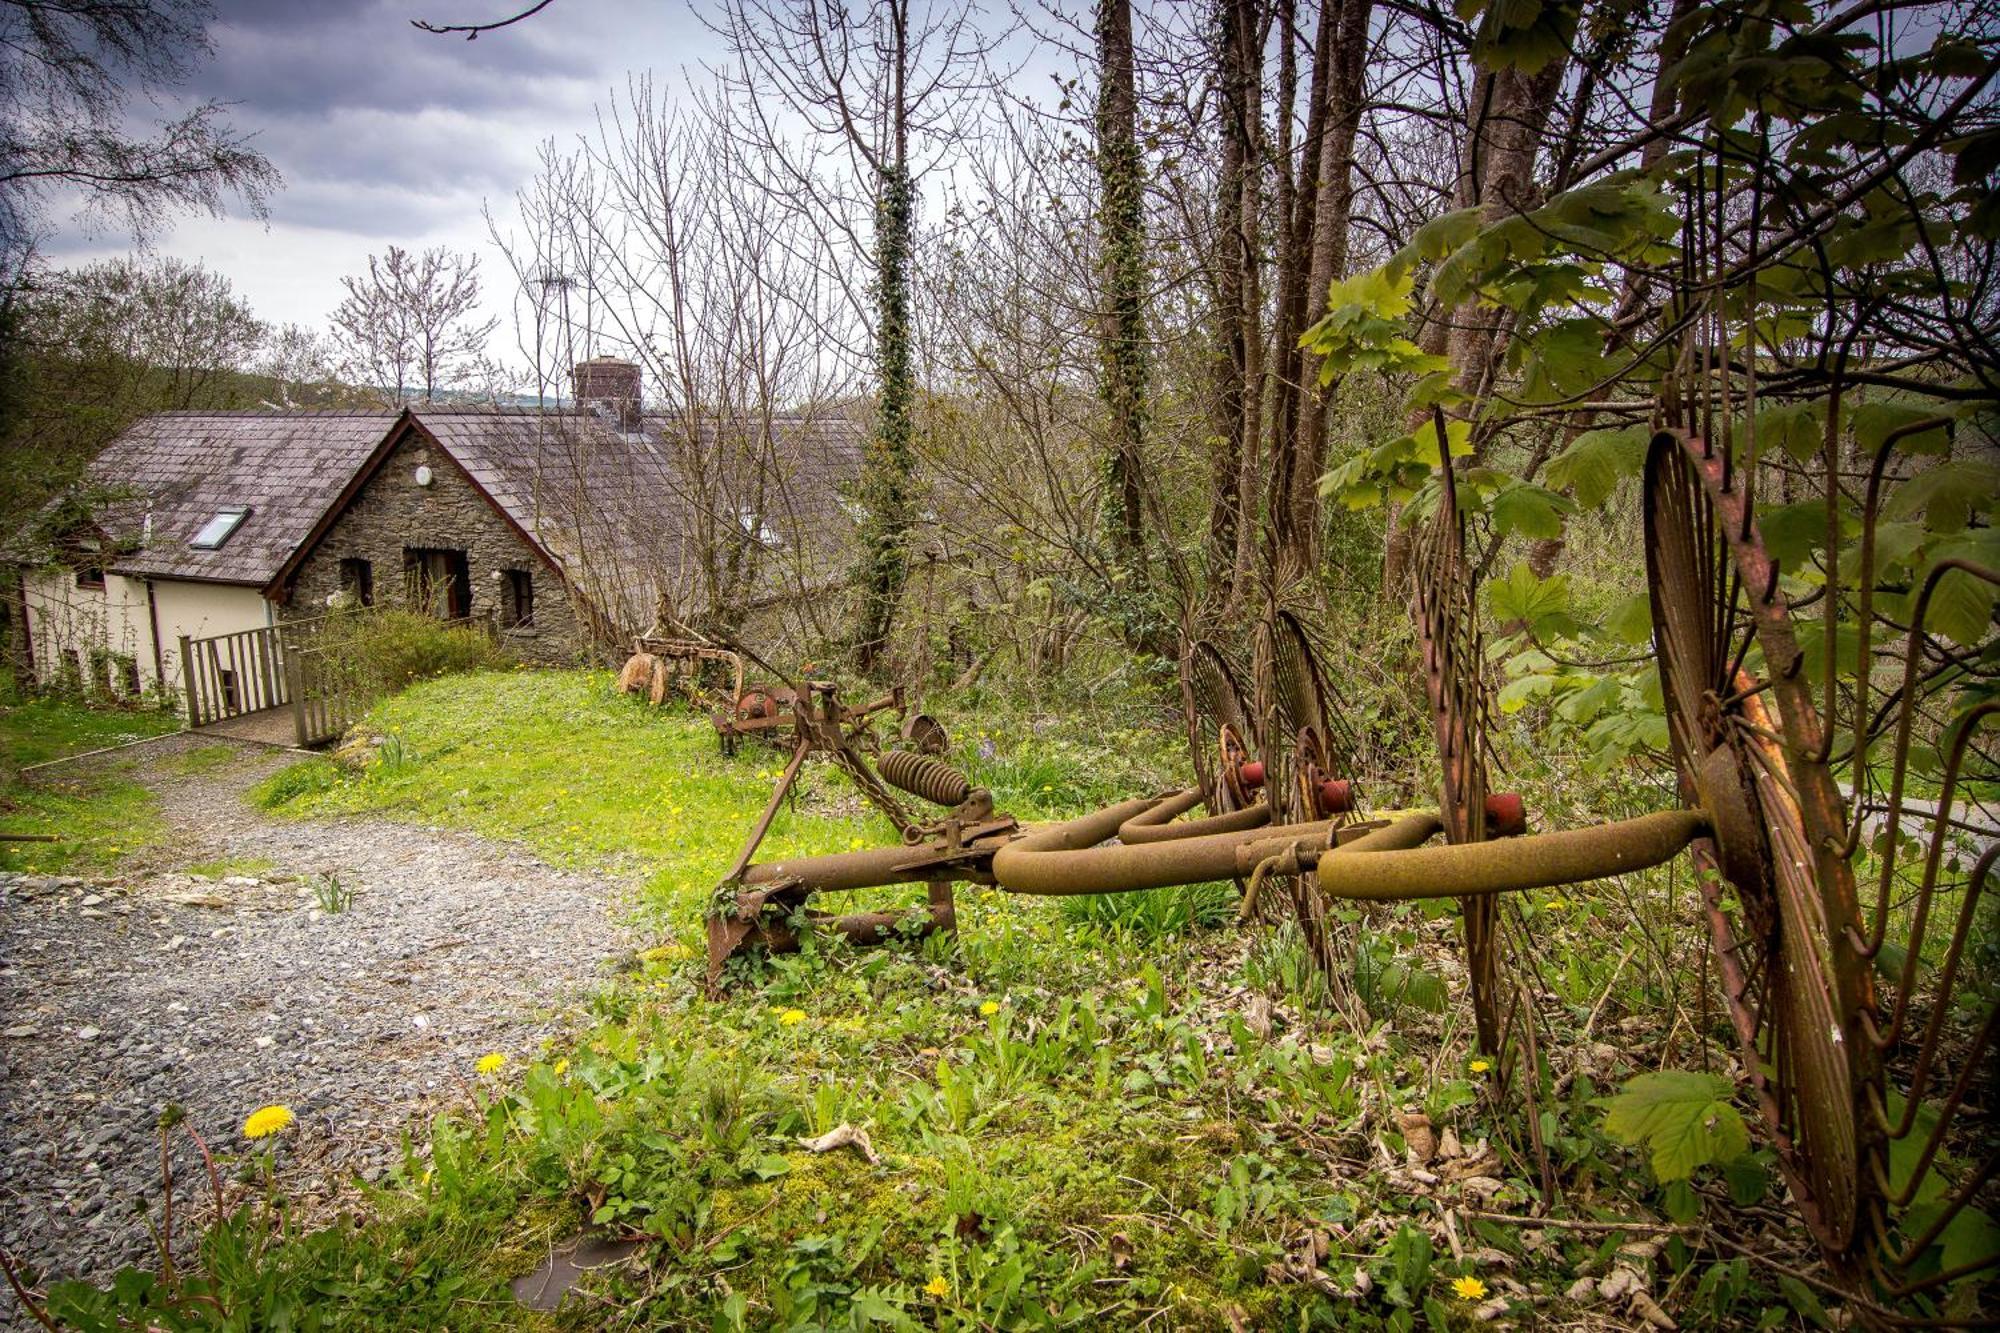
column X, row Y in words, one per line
column 624, row 513
column 175, row 470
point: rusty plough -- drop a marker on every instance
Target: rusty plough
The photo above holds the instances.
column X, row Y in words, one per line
column 1840, row 1046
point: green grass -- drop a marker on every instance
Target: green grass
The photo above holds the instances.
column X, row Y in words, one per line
column 1078, row 1124
column 98, row 816
column 40, row 729
column 202, row 759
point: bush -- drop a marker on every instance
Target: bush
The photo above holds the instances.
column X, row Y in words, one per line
column 384, row 651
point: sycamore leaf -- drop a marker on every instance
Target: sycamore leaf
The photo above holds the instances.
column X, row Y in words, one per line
column 1683, row 1117
column 1518, row 694
column 1540, row 604
column 1530, row 510
column 1631, row 621
column 1873, row 423
column 1596, row 461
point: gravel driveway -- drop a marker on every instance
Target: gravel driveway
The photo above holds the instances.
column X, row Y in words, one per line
column 121, row 995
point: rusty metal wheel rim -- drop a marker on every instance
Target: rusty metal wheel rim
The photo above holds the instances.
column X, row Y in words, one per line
column 1211, row 699
column 1232, row 755
column 1772, row 939
column 1443, row 607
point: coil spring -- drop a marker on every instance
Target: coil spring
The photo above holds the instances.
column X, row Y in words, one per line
column 920, row 775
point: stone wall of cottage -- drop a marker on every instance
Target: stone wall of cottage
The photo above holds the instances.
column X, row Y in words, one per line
column 394, row 512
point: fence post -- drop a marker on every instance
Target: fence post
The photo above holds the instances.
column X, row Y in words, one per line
column 295, row 684
column 188, row 684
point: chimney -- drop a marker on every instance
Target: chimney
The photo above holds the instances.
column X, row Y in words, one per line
column 609, row 387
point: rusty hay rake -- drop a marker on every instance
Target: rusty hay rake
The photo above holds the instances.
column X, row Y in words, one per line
column 1866, row 1036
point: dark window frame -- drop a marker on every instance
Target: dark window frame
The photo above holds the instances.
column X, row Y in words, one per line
column 517, row 599
column 357, row 575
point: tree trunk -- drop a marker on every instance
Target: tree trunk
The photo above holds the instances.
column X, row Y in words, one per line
column 1506, row 116
column 1238, row 359
column 1122, row 260
column 887, row 471
column 1326, row 207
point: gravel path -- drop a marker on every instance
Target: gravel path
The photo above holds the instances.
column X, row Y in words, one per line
column 121, row 995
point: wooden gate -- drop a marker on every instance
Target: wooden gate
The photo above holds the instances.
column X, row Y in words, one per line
column 325, row 702
column 228, row 675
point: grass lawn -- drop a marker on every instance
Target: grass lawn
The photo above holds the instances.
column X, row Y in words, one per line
column 98, row 816
column 1084, row 1114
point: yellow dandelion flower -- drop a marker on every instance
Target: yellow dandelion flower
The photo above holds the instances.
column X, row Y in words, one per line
column 267, row 1120
column 490, row 1062
column 792, row 1017
column 1469, row 1288
column 562, row 1066
column 990, row 1008
column 937, row 1287
column 854, row 844
column 1480, row 1066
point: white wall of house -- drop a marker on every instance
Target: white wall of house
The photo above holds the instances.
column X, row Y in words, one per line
column 201, row 609
column 116, row 622
column 88, row 630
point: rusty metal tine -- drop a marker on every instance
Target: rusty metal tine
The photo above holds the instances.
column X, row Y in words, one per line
column 790, row 775
column 1902, row 1198
column 1918, row 612
column 1474, row 869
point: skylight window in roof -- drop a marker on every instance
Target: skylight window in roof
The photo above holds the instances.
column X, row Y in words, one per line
column 218, row 529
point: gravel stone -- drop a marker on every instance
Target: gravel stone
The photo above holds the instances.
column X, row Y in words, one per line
column 363, row 1021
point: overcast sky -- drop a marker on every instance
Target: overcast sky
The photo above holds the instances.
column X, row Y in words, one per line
column 388, row 135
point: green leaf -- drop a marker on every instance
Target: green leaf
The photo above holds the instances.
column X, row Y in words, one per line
column 1947, row 495
column 1596, row 461
column 1518, row 694
column 1873, row 423
column 1961, row 606
column 1540, row 604
column 1792, row 533
column 1631, row 621
column 1968, row 1238
column 1748, row 1180
column 770, row 1166
column 1683, row 1117
column 1530, row 511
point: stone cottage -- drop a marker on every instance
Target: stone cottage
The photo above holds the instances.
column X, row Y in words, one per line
column 564, row 530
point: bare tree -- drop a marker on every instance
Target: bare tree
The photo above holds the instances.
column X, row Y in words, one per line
column 663, row 240
column 410, row 325
column 891, row 82
column 68, row 70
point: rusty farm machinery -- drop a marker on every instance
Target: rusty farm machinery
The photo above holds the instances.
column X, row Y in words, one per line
column 1865, row 1038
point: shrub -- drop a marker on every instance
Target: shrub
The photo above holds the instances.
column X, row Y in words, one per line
column 382, row 652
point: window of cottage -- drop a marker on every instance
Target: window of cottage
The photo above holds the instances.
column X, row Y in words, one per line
column 91, row 576
column 517, row 597
column 357, row 578
column 437, row 582
column 219, row 529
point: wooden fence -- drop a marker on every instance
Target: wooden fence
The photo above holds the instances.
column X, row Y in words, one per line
column 228, row 675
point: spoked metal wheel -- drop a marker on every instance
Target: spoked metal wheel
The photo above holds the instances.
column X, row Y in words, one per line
column 1499, row 950
column 1220, row 737
column 1309, row 756
column 1308, row 743
column 1761, row 889
column 1839, row 1075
